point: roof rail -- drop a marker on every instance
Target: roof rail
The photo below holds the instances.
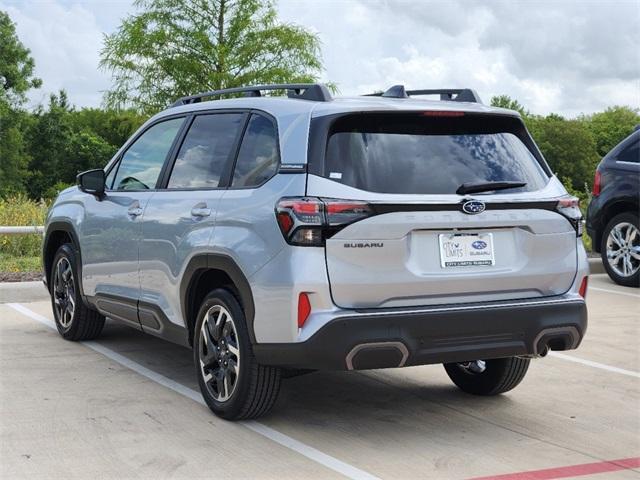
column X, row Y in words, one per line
column 461, row 94
column 316, row 92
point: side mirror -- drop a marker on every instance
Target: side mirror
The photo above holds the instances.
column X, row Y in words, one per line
column 92, row 181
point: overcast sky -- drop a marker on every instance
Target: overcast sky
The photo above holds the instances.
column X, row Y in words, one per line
column 568, row 57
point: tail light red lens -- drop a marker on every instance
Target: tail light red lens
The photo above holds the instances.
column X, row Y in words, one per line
column 309, row 221
column 304, row 309
column 597, row 184
column 582, row 291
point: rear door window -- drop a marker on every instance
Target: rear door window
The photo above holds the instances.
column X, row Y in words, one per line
column 206, row 151
column 418, row 154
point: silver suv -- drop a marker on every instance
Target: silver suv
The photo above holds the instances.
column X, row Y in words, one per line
column 278, row 235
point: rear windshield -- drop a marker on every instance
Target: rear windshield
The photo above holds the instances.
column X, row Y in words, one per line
column 420, row 154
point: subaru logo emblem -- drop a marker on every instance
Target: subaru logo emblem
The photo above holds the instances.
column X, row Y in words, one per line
column 479, row 245
column 473, row 207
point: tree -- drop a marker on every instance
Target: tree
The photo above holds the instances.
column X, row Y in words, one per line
column 179, row 47
column 16, row 78
column 16, row 65
column 505, row 101
column 47, row 140
column 568, row 146
column 84, row 151
column 611, row 126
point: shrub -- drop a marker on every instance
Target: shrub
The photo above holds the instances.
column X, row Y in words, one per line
column 20, row 211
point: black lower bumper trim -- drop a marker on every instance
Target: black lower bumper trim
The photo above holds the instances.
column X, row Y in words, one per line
column 491, row 331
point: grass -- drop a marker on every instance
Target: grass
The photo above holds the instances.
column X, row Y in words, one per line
column 21, row 253
column 10, row 263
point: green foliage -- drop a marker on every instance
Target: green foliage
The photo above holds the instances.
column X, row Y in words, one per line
column 10, row 263
column 568, row 147
column 174, row 48
column 16, row 78
column 62, row 141
column 20, row 211
column 16, row 65
column 611, row 126
column 13, row 157
column 505, row 101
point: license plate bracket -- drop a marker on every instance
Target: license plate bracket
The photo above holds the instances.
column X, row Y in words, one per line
column 466, row 250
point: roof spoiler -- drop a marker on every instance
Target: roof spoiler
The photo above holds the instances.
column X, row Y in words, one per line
column 448, row 94
column 316, row 92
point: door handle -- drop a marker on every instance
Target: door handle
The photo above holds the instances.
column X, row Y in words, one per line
column 134, row 212
column 200, row 211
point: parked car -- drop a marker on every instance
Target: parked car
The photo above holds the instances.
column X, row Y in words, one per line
column 274, row 235
column 612, row 217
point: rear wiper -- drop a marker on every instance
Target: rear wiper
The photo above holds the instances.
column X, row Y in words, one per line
column 487, row 187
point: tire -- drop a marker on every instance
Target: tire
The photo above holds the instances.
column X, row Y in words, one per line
column 74, row 320
column 610, row 244
column 232, row 383
column 499, row 375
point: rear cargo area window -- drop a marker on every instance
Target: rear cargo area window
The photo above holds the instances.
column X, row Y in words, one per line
column 419, row 154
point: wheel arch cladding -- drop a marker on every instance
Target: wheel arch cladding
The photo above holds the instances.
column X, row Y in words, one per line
column 206, row 272
column 56, row 235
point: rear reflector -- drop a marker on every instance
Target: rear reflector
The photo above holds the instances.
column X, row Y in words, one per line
column 304, row 309
column 597, row 184
column 583, row 287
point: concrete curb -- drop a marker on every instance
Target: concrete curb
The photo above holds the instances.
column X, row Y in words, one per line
column 23, row 292
column 596, row 266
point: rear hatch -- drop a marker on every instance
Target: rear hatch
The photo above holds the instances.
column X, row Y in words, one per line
column 421, row 239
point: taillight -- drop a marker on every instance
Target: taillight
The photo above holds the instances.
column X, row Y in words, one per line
column 304, row 309
column 569, row 207
column 582, row 291
column 309, row 221
column 597, row 184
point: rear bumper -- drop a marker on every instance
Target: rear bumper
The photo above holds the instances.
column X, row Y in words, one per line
column 373, row 339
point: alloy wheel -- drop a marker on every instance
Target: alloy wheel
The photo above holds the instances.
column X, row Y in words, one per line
column 64, row 292
column 219, row 353
column 623, row 249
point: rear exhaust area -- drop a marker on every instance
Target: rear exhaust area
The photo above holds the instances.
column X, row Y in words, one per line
column 557, row 339
column 367, row 356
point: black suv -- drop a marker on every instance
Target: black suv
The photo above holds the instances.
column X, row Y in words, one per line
column 612, row 218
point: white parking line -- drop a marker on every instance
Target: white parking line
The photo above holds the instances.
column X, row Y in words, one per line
column 589, row 363
column 628, row 294
column 311, row 453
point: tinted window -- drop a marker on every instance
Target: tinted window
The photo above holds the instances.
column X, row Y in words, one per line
column 141, row 163
column 258, row 157
column 205, row 152
column 109, row 180
column 415, row 154
column 631, row 152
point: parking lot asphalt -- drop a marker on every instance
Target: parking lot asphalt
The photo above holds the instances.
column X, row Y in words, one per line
column 127, row 406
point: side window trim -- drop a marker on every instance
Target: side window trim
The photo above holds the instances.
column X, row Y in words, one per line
column 225, row 178
column 227, row 174
column 167, row 168
column 235, row 160
column 134, row 139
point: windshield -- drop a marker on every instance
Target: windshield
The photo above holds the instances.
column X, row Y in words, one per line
column 419, row 155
